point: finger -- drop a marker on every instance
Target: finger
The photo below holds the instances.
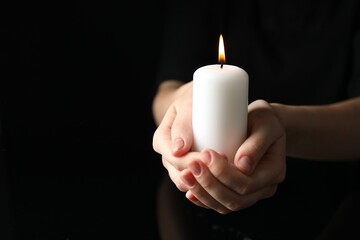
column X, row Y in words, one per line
column 181, row 132
column 174, row 165
column 267, row 173
column 246, row 201
column 225, row 173
column 190, row 196
column 213, row 194
column 240, row 202
column 174, row 175
column 272, row 167
column 264, row 129
column 202, row 197
column 190, row 180
column 162, row 141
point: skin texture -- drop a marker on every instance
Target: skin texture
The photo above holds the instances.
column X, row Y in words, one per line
column 274, row 132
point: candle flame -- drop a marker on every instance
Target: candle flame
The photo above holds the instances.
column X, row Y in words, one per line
column 221, row 50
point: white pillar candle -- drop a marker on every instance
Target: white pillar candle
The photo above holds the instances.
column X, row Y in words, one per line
column 220, row 108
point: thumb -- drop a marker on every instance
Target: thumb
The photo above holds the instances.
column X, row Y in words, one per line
column 181, row 134
column 264, row 131
column 250, row 153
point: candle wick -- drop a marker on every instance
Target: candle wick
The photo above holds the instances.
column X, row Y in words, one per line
column 221, row 64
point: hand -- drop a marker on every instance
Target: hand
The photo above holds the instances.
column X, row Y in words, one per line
column 218, row 184
column 173, row 137
column 259, row 163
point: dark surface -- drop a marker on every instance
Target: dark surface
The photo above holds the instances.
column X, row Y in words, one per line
column 77, row 160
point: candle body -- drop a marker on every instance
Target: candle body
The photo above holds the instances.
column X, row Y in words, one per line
column 220, row 108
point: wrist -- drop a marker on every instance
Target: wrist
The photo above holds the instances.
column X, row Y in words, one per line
column 280, row 111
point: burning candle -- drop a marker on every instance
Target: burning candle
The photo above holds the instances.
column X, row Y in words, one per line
column 220, row 106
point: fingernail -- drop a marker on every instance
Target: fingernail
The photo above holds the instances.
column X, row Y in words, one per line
column 244, row 164
column 178, row 144
column 195, row 168
column 188, row 180
column 206, row 157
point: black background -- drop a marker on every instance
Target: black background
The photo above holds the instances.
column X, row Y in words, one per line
column 77, row 81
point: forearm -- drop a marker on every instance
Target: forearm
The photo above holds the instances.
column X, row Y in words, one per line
column 165, row 95
column 327, row 132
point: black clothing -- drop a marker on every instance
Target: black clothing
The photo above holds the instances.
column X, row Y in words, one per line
column 296, row 52
column 76, row 122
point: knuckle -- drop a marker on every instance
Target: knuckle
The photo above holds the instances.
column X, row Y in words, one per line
column 223, row 211
column 206, row 183
column 181, row 186
column 271, row 192
column 233, row 206
column 244, row 190
column 155, row 146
